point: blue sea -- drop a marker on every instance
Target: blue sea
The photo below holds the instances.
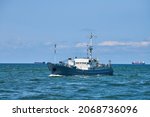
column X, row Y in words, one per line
column 32, row 82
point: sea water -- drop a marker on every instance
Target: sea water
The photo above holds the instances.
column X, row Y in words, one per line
column 32, row 82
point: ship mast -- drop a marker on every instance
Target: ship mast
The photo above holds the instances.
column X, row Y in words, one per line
column 87, row 50
column 54, row 53
column 90, row 46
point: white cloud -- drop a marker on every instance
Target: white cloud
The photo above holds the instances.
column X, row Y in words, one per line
column 119, row 43
column 48, row 43
column 78, row 45
column 63, row 46
column 105, row 43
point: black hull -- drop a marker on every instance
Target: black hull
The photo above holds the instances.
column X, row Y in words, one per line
column 59, row 69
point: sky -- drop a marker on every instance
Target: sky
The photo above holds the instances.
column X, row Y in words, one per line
column 30, row 28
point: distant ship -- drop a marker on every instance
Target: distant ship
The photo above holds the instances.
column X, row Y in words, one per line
column 81, row 66
column 39, row 62
column 138, row 62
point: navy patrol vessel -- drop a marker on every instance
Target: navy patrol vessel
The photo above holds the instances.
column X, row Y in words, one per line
column 81, row 66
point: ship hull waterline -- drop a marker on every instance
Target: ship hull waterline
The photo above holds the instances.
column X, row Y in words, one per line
column 65, row 70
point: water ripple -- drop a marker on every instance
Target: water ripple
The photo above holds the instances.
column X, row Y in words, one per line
column 30, row 81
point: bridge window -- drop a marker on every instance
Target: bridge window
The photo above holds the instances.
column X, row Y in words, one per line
column 81, row 63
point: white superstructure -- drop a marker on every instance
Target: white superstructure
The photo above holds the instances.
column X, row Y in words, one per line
column 83, row 63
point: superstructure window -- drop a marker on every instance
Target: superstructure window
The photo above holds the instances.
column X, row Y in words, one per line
column 81, row 63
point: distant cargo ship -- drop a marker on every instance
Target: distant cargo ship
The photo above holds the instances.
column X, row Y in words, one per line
column 138, row 63
column 39, row 63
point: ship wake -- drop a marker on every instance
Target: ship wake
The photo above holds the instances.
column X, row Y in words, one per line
column 55, row 75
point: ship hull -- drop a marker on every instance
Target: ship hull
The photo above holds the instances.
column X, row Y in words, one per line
column 59, row 69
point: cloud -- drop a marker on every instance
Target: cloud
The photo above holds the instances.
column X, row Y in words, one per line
column 63, row 46
column 48, row 43
column 78, row 45
column 119, row 43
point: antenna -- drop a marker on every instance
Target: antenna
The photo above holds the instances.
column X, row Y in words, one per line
column 91, row 36
column 90, row 46
column 87, row 50
column 55, row 53
column 55, row 49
